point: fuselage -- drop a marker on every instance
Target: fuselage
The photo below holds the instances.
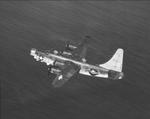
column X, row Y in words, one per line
column 50, row 58
column 85, row 68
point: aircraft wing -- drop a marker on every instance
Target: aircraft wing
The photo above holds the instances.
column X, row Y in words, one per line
column 66, row 73
column 78, row 53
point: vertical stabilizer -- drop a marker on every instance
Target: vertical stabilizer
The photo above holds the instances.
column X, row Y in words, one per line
column 116, row 62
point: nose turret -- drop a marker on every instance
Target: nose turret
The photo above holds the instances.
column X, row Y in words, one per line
column 33, row 51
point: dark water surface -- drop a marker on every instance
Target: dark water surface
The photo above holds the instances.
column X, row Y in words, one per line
column 26, row 91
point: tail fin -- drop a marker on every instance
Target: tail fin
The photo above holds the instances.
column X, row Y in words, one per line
column 116, row 62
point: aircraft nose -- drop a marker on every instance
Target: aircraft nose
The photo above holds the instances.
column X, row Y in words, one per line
column 33, row 51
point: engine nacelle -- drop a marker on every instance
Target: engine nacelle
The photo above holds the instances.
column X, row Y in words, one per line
column 55, row 70
column 59, row 64
column 70, row 47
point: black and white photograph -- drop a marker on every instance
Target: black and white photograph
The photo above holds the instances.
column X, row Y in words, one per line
column 75, row 59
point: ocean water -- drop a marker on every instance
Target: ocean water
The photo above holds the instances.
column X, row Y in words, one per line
column 26, row 90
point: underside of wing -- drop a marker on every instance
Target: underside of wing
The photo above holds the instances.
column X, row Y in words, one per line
column 66, row 73
column 81, row 52
column 77, row 52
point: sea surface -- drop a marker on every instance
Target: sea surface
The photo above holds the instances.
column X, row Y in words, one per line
column 26, row 90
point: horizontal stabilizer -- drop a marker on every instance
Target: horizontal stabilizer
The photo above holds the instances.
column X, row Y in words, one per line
column 116, row 62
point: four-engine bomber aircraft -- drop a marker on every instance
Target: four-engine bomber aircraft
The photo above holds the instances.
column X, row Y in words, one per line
column 72, row 61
